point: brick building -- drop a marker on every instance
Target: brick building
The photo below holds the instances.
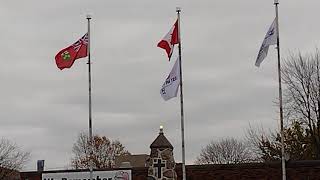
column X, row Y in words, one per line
column 9, row 174
column 296, row 170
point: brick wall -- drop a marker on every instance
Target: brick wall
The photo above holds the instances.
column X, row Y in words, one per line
column 296, row 170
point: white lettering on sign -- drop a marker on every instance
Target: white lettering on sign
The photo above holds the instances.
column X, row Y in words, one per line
column 97, row 175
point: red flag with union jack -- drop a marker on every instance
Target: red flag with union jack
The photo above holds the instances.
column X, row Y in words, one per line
column 66, row 57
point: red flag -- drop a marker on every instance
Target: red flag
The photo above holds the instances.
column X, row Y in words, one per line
column 168, row 42
column 66, row 57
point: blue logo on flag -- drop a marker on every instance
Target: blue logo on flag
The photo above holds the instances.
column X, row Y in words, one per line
column 271, row 32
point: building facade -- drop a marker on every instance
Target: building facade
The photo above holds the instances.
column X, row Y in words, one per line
column 160, row 165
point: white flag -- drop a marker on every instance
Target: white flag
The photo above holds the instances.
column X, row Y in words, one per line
column 269, row 39
column 171, row 85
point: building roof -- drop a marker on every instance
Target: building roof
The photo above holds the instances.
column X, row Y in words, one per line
column 161, row 141
column 138, row 160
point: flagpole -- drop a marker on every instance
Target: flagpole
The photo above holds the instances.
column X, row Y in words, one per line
column 276, row 2
column 181, row 102
column 90, row 107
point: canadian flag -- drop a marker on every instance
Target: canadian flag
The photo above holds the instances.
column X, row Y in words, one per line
column 170, row 39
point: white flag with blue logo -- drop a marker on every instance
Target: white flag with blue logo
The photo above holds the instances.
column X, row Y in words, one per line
column 171, row 84
column 269, row 39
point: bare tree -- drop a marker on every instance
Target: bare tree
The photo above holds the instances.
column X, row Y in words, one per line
column 12, row 159
column 104, row 152
column 301, row 77
column 225, row 151
column 254, row 137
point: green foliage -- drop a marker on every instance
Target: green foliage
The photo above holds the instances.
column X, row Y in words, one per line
column 297, row 140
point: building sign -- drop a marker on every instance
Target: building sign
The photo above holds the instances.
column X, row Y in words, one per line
column 97, row 175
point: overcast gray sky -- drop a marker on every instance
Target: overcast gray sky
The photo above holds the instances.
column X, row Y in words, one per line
column 43, row 109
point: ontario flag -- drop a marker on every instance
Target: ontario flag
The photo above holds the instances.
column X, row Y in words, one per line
column 66, row 57
column 170, row 39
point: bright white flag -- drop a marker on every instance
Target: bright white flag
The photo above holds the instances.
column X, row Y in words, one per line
column 269, row 39
column 171, row 85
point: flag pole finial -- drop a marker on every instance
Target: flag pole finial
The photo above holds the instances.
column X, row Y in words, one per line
column 88, row 16
column 178, row 9
column 276, row 1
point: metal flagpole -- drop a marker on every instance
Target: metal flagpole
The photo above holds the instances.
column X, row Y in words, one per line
column 90, row 108
column 181, row 101
column 276, row 2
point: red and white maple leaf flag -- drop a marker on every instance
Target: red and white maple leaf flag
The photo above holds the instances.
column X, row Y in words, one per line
column 170, row 39
column 66, row 57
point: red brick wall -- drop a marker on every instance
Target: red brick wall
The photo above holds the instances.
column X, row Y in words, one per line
column 298, row 170
column 302, row 170
column 30, row 176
